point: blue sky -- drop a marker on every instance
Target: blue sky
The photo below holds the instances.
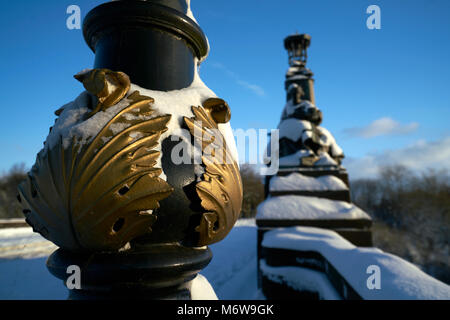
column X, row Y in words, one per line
column 384, row 93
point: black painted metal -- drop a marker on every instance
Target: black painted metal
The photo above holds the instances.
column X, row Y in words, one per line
column 143, row 272
column 297, row 45
column 307, row 86
column 273, row 290
column 180, row 212
column 153, row 42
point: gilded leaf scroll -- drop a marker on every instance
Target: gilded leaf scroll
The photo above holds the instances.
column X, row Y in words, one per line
column 220, row 190
column 99, row 196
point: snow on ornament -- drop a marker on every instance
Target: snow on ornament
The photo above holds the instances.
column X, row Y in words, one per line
column 99, row 177
column 299, row 129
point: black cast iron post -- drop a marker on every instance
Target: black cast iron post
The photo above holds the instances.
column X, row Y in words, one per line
column 140, row 237
column 153, row 42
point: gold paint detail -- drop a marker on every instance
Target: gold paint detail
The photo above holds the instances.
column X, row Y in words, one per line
column 220, row 189
column 108, row 86
column 100, row 195
column 308, row 160
column 218, row 110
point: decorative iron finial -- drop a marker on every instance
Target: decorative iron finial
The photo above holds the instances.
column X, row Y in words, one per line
column 297, row 46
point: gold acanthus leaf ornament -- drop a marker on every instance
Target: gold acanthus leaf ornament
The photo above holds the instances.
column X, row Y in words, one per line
column 99, row 196
column 108, row 86
column 220, row 189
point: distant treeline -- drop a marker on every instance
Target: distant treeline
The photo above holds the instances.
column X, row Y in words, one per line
column 411, row 213
column 9, row 205
column 253, row 190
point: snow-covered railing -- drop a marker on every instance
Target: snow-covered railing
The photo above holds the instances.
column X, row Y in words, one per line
column 325, row 265
column 13, row 223
column 311, row 198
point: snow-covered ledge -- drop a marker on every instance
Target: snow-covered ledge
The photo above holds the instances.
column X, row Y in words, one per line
column 293, row 207
column 297, row 181
column 399, row 279
column 201, row 289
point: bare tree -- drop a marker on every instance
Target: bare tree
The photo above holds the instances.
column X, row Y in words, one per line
column 412, row 215
column 253, row 190
column 9, row 206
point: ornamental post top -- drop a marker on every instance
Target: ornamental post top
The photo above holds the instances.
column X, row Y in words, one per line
column 157, row 43
column 297, row 45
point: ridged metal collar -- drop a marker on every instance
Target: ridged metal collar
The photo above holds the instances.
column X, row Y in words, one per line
column 116, row 14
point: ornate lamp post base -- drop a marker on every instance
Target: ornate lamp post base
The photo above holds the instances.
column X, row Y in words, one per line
column 158, row 271
column 105, row 187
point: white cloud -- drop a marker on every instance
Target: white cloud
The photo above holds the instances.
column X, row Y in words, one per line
column 253, row 87
column 419, row 156
column 250, row 86
column 380, row 127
